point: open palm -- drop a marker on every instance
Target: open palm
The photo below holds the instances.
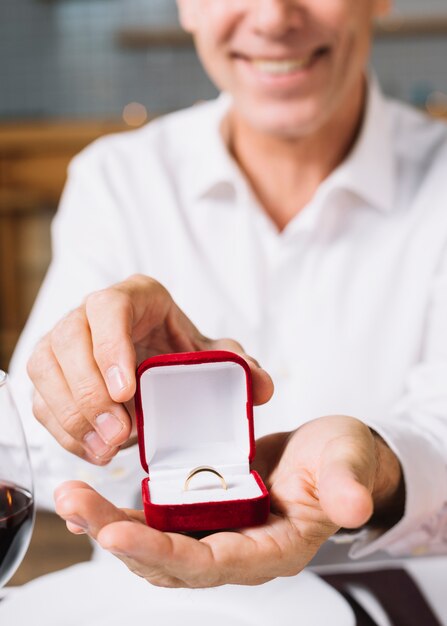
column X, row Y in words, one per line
column 320, row 477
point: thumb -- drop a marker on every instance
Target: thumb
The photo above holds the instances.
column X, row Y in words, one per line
column 346, row 481
column 117, row 316
column 346, row 501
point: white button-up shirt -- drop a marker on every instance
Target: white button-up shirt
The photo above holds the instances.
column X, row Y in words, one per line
column 346, row 307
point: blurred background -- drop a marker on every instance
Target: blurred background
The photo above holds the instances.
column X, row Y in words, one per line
column 72, row 70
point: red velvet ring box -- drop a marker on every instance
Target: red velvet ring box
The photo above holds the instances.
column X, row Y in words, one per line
column 194, row 409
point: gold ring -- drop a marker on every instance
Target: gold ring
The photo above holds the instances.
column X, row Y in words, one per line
column 199, row 470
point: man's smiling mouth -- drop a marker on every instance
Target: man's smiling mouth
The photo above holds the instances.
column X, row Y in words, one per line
column 278, row 67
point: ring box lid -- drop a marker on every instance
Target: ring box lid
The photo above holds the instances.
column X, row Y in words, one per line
column 193, row 409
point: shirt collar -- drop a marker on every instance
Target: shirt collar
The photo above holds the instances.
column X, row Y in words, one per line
column 368, row 171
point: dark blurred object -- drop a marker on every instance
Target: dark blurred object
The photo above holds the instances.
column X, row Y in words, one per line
column 33, row 165
column 52, row 548
column 412, row 25
column 392, row 27
column 396, row 592
column 135, row 38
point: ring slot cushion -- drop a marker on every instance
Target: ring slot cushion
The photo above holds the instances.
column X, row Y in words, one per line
column 194, row 409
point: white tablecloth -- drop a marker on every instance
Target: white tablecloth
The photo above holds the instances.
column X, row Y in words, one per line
column 105, row 593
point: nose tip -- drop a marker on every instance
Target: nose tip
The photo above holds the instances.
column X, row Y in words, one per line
column 275, row 18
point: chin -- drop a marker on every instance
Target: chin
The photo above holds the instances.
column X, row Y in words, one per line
column 286, row 121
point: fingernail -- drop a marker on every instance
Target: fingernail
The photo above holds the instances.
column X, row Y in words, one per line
column 108, row 426
column 95, row 444
column 77, row 521
column 115, row 379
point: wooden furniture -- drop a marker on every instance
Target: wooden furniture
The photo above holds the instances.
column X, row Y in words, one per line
column 412, row 26
column 33, row 164
column 391, row 27
column 52, row 548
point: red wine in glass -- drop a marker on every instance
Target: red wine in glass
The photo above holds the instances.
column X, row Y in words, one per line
column 16, row 486
column 16, row 523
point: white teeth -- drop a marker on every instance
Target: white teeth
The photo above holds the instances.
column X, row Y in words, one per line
column 285, row 66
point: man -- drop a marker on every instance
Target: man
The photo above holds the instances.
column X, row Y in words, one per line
column 300, row 214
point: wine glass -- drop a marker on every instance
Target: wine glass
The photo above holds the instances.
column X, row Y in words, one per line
column 16, row 486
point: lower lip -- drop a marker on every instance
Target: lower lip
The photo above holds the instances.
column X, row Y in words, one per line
column 281, row 82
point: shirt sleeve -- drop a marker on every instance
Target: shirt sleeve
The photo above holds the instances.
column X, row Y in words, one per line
column 89, row 253
column 417, row 433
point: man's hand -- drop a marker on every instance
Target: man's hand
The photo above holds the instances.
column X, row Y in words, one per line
column 330, row 473
column 84, row 369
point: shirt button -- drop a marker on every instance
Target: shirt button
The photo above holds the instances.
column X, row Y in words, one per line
column 419, row 551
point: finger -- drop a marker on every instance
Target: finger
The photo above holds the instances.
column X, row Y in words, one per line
column 161, row 555
column 68, row 486
column 76, row 530
column 44, row 415
column 126, row 314
column 79, row 504
column 56, row 409
column 85, row 511
column 110, row 316
column 221, row 558
column 346, row 479
column 346, row 502
column 135, row 515
column 60, row 491
column 157, row 579
column 262, row 382
column 102, row 424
